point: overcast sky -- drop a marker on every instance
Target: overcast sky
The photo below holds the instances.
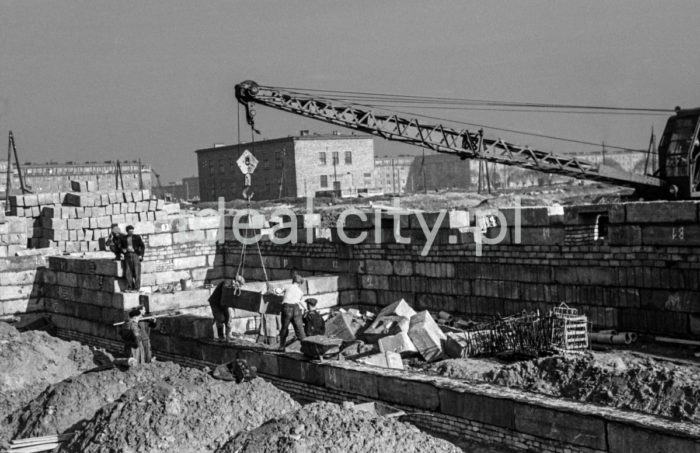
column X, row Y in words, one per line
column 100, row 80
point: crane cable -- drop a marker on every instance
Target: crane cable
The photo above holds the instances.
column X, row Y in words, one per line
column 515, row 131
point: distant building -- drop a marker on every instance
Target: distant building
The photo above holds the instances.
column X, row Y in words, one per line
column 187, row 190
column 403, row 173
column 295, row 166
column 56, row 177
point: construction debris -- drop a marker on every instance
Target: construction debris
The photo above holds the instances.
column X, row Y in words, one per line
column 426, row 336
column 383, row 359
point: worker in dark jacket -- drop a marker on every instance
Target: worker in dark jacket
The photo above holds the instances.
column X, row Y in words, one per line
column 313, row 321
column 136, row 335
column 114, row 241
column 133, row 249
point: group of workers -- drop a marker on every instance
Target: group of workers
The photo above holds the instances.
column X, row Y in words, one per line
column 130, row 248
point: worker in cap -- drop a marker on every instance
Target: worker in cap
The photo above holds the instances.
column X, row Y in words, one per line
column 133, row 249
column 292, row 309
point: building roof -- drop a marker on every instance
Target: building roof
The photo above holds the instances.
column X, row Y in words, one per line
column 300, row 137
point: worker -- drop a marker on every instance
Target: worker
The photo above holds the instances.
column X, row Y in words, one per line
column 136, row 335
column 113, row 241
column 292, row 309
column 313, row 321
column 133, row 249
column 220, row 307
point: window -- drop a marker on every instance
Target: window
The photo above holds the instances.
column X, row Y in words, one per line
column 324, row 181
column 348, row 157
column 322, row 158
column 336, row 159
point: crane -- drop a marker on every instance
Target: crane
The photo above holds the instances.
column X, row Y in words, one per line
column 679, row 149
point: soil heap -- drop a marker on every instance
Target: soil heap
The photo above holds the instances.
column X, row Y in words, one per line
column 329, row 427
column 29, row 361
column 616, row 379
column 180, row 416
column 65, row 406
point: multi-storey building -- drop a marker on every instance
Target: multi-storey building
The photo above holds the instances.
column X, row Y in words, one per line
column 295, row 166
column 56, row 177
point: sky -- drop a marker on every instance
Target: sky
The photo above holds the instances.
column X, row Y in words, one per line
column 103, row 80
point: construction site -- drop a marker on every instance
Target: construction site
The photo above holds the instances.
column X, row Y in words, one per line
column 464, row 292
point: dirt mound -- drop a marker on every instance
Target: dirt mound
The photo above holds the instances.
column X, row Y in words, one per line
column 65, row 406
column 191, row 417
column 614, row 379
column 329, row 427
column 36, row 357
column 29, row 361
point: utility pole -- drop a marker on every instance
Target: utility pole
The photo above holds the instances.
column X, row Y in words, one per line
column 140, row 177
column 603, row 151
column 284, row 158
column 8, row 183
column 651, row 153
column 422, row 168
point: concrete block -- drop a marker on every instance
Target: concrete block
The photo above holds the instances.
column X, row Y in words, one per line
column 125, row 301
column 627, row 438
column 384, row 360
column 351, row 381
column 561, row 426
column 399, row 343
column 421, row 395
column 662, row 212
column 26, row 277
column 319, row 284
column 426, row 336
column 398, row 308
column 379, row 267
column 157, row 302
column 484, row 409
column 625, row 235
column 160, row 240
column 343, row 326
column 188, row 236
column 189, row 262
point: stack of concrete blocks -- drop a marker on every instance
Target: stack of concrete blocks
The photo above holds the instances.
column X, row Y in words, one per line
column 86, row 295
column 77, row 221
column 308, row 228
column 22, row 281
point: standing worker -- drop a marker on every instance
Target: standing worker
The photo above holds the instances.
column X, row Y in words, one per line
column 136, row 335
column 114, row 241
column 292, row 308
column 133, row 249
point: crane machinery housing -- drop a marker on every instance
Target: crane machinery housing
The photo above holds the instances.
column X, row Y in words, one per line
column 678, row 175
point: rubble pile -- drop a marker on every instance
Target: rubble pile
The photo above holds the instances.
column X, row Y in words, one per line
column 330, row 427
column 65, row 406
column 180, row 416
column 382, row 340
column 29, row 361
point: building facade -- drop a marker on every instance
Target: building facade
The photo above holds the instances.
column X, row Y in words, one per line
column 296, row 166
column 56, row 177
column 187, row 190
column 406, row 174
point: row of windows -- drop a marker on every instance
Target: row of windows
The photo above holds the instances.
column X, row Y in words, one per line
column 335, row 155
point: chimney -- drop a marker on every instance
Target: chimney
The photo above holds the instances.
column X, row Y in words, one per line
column 303, row 132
